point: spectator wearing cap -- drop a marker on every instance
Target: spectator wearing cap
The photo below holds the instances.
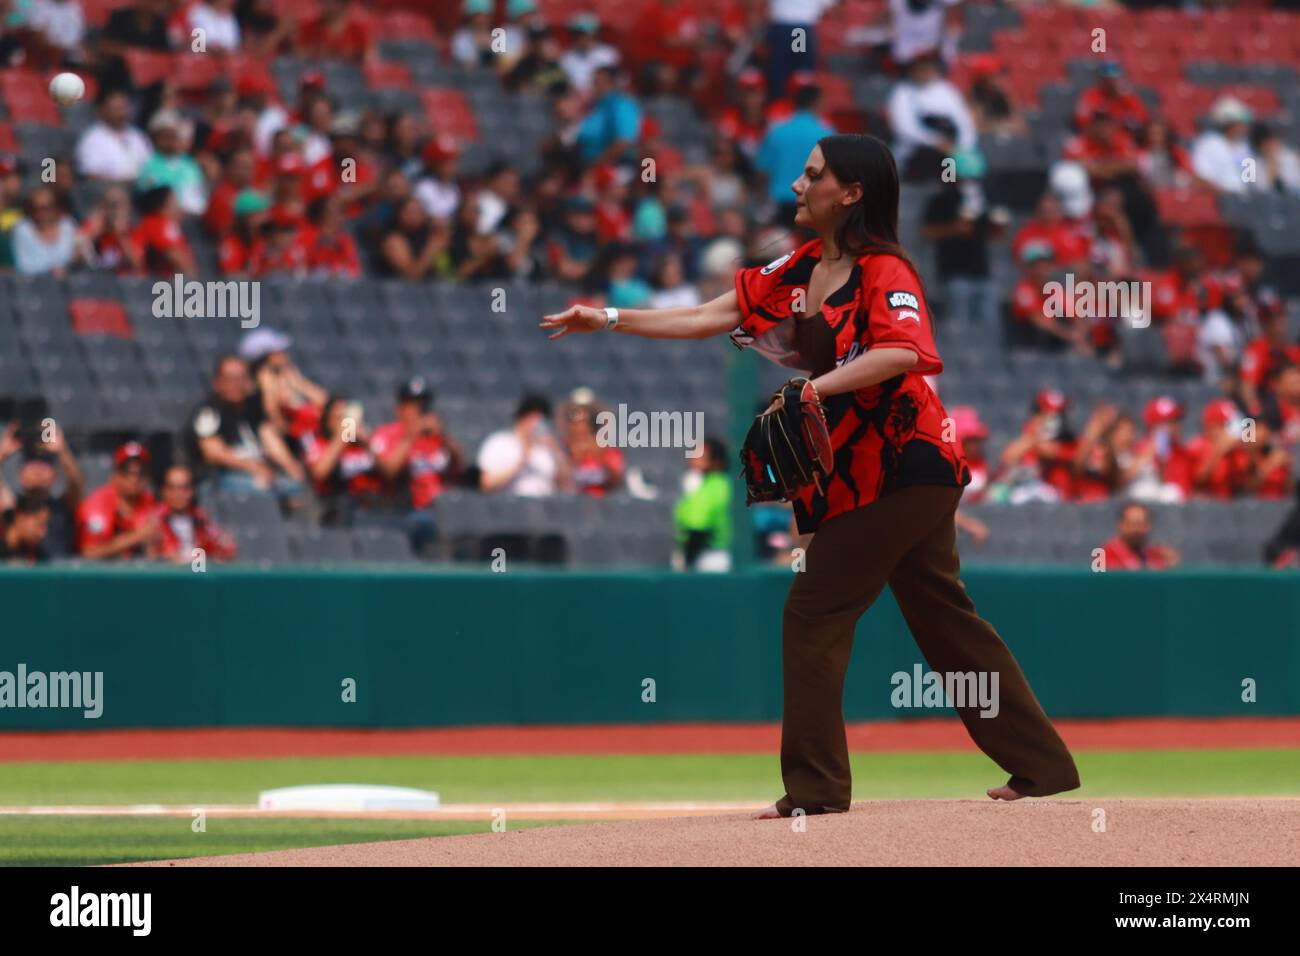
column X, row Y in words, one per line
column 25, row 531
column 786, row 146
column 990, row 102
column 613, row 122
column 414, row 453
column 930, row 120
column 287, row 170
column 539, row 68
column 340, row 461
column 229, row 440
column 1104, row 149
column 1222, row 465
column 973, row 434
column 1277, row 164
column 158, row 235
column 586, row 55
column 1160, row 466
column 290, row 401
column 522, row 17
column 258, row 95
column 42, row 463
column 1264, row 354
column 109, row 234
column 312, row 131
column 119, row 519
column 1218, row 154
column 251, row 210
column 745, row 121
column 185, row 527
column 1096, row 466
column 1038, row 462
column 471, row 43
column 573, row 247
column 1131, row 549
column 46, row 240
column 1111, row 95
column 220, row 25
column 112, row 148
column 336, row 33
column 1036, row 321
column 525, row 459
column 958, row 220
column 437, row 189
column 170, row 165
column 278, row 250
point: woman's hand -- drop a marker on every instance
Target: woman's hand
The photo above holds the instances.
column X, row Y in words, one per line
column 576, row 318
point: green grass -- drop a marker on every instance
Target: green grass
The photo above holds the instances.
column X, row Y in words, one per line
column 67, row 840
column 1263, row 772
column 93, row 841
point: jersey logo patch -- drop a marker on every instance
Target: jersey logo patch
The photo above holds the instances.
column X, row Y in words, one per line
column 902, row 300
column 775, row 264
column 907, row 314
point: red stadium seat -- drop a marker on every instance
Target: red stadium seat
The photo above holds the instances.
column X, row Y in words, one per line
column 97, row 12
column 27, row 98
column 449, row 112
column 99, row 317
column 8, row 144
column 196, row 71
column 147, row 67
column 1187, row 207
column 403, row 25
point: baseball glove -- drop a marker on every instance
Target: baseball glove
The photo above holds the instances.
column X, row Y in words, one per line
column 788, row 447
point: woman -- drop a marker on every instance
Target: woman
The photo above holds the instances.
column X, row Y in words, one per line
column 46, row 240
column 887, row 514
column 340, row 462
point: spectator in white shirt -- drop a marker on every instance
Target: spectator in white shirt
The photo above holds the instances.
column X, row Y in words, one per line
column 1277, row 166
column 61, row 24
column 526, row 459
column 930, row 119
column 1218, row 154
column 924, row 26
column 587, row 55
column 45, row 241
column 112, row 148
column 216, row 18
column 784, row 17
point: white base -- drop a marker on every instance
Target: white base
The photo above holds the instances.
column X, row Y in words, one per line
column 348, row 796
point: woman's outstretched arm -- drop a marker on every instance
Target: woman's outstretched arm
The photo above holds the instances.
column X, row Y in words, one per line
column 714, row 317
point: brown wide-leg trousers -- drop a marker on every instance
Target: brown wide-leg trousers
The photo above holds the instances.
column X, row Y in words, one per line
column 907, row 540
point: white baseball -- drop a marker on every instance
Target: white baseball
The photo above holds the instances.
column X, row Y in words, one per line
column 67, row 88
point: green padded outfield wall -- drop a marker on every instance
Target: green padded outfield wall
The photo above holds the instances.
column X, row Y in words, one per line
column 256, row 648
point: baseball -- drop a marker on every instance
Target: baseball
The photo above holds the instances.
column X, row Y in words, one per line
column 67, row 88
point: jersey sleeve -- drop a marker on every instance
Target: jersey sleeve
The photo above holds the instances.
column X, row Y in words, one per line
column 95, row 525
column 766, row 296
column 897, row 316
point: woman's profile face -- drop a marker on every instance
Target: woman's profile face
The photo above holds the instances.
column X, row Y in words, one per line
column 818, row 194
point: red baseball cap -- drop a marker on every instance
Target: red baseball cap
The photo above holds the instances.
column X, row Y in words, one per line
column 440, row 148
column 251, row 84
column 604, row 176
column 1051, row 400
column 1162, row 409
column 289, row 164
column 130, row 451
column 750, row 79
column 968, row 423
column 984, row 64
column 312, row 80
column 1219, row 412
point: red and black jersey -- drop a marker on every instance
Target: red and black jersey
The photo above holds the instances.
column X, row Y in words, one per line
column 885, row 437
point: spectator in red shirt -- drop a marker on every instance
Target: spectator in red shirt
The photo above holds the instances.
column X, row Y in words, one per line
column 973, row 435
column 1036, row 323
column 1270, row 463
column 745, row 123
column 597, row 470
column 1039, row 460
column 119, row 520
column 330, row 249
column 1264, row 355
column 1096, row 471
column 1131, row 549
column 162, row 244
column 109, row 231
column 1066, row 241
column 278, row 251
column 1112, row 95
column 340, row 461
column 235, row 251
column 287, row 205
column 1104, row 149
column 236, row 177
column 1160, row 466
column 414, row 452
column 335, row 34
column 1222, row 463
column 185, row 526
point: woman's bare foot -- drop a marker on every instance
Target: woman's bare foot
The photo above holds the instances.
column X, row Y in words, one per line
column 1004, row 793
column 767, row 813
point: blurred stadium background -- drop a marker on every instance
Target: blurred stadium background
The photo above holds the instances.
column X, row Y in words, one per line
column 489, row 185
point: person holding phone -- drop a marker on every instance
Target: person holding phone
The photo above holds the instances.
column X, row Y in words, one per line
column 526, row 459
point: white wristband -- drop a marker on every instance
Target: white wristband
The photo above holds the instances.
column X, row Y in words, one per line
column 611, row 318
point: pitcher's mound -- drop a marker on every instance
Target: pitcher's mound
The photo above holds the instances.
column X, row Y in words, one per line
column 1230, row 832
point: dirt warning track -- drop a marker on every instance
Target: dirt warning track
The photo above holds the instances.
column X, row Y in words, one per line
column 1228, row 832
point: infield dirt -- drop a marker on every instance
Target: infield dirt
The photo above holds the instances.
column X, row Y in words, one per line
column 1137, row 832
